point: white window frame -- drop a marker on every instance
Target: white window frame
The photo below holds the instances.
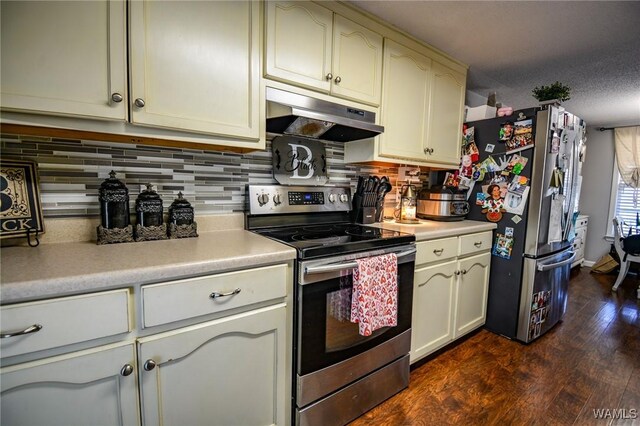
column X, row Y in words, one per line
column 615, row 184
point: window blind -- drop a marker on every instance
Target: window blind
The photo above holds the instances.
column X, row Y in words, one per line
column 627, row 205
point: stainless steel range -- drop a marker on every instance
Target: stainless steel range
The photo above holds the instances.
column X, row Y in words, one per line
column 338, row 373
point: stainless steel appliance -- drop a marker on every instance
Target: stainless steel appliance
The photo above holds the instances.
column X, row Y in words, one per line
column 338, row 374
column 293, row 114
column 442, row 203
column 528, row 289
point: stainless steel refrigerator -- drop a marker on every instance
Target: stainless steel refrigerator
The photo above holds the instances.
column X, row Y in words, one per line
column 529, row 279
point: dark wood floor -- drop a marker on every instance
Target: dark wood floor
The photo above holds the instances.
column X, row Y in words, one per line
column 591, row 360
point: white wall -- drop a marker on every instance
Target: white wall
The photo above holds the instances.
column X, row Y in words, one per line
column 596, row 190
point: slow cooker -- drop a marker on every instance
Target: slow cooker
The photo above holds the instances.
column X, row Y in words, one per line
column 442, row 203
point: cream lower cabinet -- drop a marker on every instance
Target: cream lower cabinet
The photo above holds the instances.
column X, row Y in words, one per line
column 225, row 372
column 85, row 388
column 210, row 350
column 450, row 291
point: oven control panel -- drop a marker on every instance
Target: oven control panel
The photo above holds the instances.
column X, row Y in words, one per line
column 278, row 199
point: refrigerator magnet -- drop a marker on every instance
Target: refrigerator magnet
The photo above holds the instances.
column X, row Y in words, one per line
column 516, row 219
column 508, row 231
column 471, row 149
column 490, row 147
column 506, row 132
column 493, row 205
column 502, row 247
column 555, row 143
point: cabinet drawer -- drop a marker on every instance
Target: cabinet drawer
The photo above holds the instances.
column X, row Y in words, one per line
column 431, row 251
column 64, row 321
column 177, row 300
column 474, row 243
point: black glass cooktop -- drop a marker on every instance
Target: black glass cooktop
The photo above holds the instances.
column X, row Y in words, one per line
column 333, row 239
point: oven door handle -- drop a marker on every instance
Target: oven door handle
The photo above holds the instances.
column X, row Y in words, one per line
column 332, row 267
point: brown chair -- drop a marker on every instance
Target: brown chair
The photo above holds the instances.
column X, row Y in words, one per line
column 625, row 258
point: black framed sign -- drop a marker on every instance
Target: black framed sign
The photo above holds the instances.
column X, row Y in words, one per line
column 299, row 161
column 20, row 209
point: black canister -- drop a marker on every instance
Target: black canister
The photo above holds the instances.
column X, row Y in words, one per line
column 114, row 203
column 149, row 208
column 180, row 211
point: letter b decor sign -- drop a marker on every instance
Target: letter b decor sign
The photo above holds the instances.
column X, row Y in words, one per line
column 299, row 161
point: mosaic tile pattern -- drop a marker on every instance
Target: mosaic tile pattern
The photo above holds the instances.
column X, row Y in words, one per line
column 71, row 171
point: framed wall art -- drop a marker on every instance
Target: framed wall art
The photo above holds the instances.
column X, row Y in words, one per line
column 20, row 209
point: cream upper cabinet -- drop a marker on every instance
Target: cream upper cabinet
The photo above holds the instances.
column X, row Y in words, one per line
column 64, row 58
column 195, row 66
column 421, row 110
column 310, row 46
column 446, row 113
column 405, row 102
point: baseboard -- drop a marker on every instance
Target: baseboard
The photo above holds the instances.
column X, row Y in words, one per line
column 588, row 263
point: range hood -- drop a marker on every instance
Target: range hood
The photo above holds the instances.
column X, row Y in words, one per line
column 292, row 114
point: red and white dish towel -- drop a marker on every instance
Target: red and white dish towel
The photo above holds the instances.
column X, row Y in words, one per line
column 374, row 302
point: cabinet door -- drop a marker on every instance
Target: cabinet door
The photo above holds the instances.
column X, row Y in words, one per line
column 433, row 304
column 357, row 62
column 445, row 115
column 195, row 66
column 228, row 372
column 66, row 57
column 473, row 286
column 299, row 36
column 405, row 102
column 86, row 388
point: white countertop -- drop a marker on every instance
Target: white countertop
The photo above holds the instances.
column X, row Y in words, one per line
column 70, row 268
column 430, row 229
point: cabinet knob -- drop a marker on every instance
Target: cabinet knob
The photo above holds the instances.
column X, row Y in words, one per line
column 329, row 76
column 126, row 370
column 464, row 271
column 428, row 150
column 338, row 79
column 139, row 102
column 149, row 365
column 457, row 272
column 116, row 97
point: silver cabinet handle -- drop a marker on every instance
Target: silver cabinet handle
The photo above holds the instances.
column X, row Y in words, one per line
column 464, row 271
column 431, row 150
column 116, row 97
column 31, row 329
column 478, row 244
column 332, row 267
column 139, row 102
column 457, row 272
column 126, row 370
column 329, row 76
column 216, row 295
column 149, row 365
column 338, row 79
column 438, row 252
column 426, row 150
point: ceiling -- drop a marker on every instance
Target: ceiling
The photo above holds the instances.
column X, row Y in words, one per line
column 513, row 46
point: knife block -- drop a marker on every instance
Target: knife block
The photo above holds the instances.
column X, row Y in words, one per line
column 361, row 214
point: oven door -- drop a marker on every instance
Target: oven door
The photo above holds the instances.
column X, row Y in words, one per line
column 325, row 336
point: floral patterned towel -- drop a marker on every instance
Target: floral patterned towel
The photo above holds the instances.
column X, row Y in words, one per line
column 374, row 302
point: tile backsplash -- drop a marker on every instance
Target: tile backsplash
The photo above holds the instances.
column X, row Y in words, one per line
column 71, row 171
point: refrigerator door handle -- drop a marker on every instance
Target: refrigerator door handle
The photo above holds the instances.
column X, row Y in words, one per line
column 549, row 266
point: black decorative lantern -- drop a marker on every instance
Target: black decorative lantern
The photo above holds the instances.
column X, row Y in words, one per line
column 149, row 224
column 181, row 223
column 115, row 226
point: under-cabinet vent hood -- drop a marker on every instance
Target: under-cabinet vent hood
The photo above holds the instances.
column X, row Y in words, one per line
column 292, row 114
